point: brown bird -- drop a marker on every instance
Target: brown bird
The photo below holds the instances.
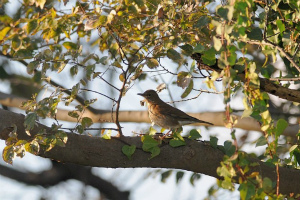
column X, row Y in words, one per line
column 164, row 115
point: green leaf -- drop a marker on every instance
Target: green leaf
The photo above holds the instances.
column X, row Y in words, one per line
column 61, row 136
column 213, row 141
column 188, row 89
column 3, row 32
column 280, row 25
column 128, row 150
column 179, row 176
column 155, row 151
column 296, row 154
column 187, row 49
column 31, row 25
column 255, row 34
column 177, row 143
column 70, row 45
column 152, row 63
column 280, row 127
column 23, row 54
column 86, row 122
column 202, row 22
column 16, row 43
column 32, row 66
column 247, row 190
column 30, row 121
column 229, row 148
column 267, row 185
column 194, row 134
column 8, row 154
column 209, row 57
column 148, row 143
column 199, row 48
column 261, row 141
column 174, row 55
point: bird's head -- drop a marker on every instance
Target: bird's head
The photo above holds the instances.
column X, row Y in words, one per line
column 151, row 96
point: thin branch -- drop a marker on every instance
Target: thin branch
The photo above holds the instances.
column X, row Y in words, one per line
column 285, row 79
column 99, row 93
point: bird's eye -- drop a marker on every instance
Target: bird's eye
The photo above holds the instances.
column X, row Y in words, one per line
column 148, row 95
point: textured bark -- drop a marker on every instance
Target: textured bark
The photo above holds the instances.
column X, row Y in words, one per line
column 196, row 156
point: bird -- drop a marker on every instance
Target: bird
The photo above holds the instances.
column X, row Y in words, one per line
column 165, row 115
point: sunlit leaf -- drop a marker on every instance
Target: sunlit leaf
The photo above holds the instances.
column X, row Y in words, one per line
column 70, row 45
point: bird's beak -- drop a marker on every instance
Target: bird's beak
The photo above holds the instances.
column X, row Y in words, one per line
column 141, row 94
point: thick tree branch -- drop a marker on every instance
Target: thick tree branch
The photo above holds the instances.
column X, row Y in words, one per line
column 217, row 118
column 62, row 172
column 196, row 156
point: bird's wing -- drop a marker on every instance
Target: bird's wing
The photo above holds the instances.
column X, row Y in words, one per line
column 180, row 115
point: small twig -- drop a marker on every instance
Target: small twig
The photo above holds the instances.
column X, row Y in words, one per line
column 98, row 93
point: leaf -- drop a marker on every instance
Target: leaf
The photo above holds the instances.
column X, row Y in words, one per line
column 247, row 112
column 209, row 57
column 179, row 176
column 217, row 43
column 62, row 136
column 128, row 150
column 255, row 34
column 177, row 143
column 8, row 154
column 155, row 151
column 188, row 89
column 3, row 32
column 199, row 49
column 213, row 141
column 70, row 45
column 86, row 122
column 267, row 185
column 261, row 141
column 280, row 25
column 187, row 49
column 296, row 154
column 174, row 55
column 30, row 121
column 229, row 148
column 148, row 143
column 152, row 63
column 32, row 147
column 32, row 66
column 40, row 3
column 23, row 54
column 247, row 190
column 31, row 25
column 194, row 134
column 202, row 21
column 16, row 43
column 280, row 127
column 183, row 79
column 107, row 136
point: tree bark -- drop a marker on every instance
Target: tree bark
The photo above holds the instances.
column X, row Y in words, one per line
column 196, row 156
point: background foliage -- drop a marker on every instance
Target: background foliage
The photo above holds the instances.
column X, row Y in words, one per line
column 247, row 45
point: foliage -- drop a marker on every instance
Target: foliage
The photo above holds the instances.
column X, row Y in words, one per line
column 133, row 36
